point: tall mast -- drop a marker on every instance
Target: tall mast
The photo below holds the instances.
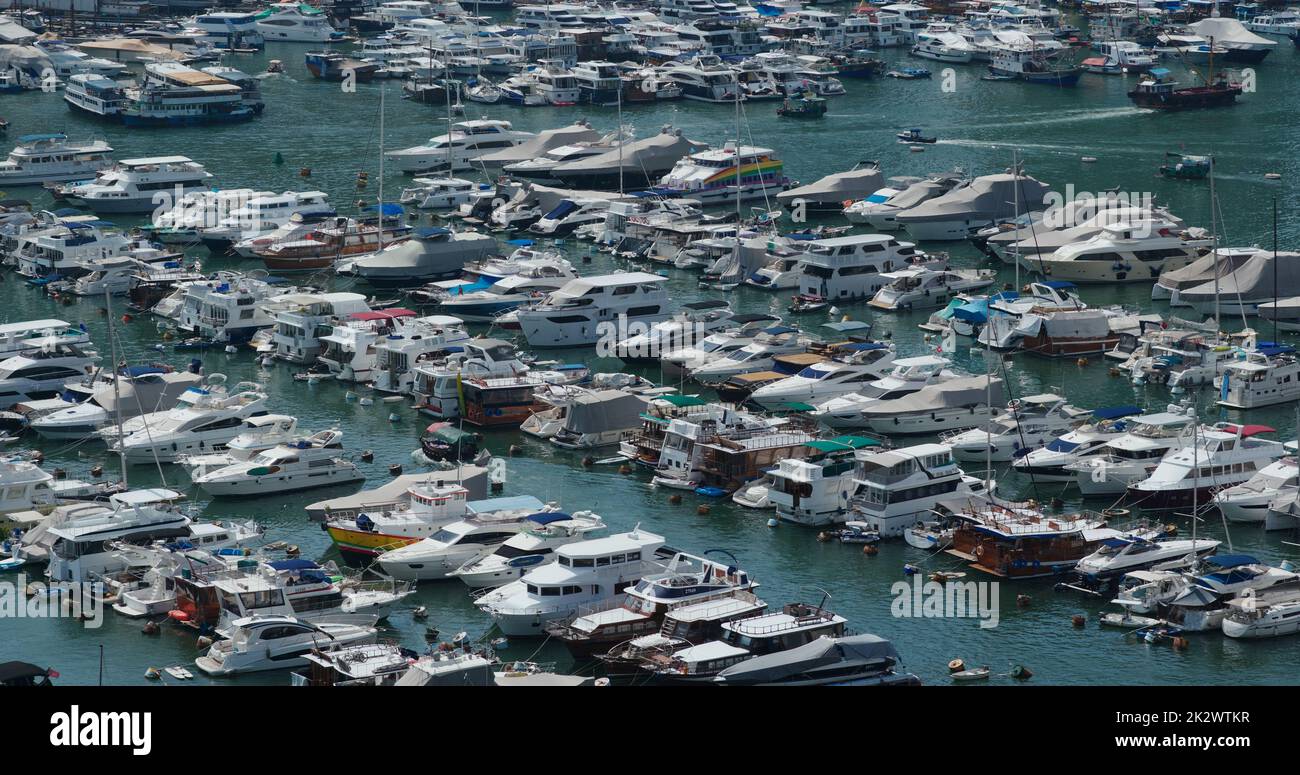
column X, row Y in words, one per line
column 1214, row 236
column 621, row 137
column 117, row 392
column 381, row 167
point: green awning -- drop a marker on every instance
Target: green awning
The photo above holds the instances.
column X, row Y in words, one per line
column 797, row 406
column 680, row 400
column 840, row 443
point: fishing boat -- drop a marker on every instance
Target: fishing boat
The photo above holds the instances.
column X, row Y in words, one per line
column 1158, row 90
column 914, row 136
column 1181, row 166
column 802, row 107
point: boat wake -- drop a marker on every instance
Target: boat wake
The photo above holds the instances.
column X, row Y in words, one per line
column 1068, row 117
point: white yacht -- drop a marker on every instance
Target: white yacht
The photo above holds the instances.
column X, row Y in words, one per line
column 856, row 266
column 1118, row 556
column 79, row 536
column 27, row 335
column 132, row 185
column 229, row 29
column 1123, row 252
column 861, row 365
column 1030, row 422
column 536, row 545
column 880, row 210
column 587, row 309
column 692, row 323
column 136, row 390
column 260, row 643
column 261, row 215
column 260, row 433
column 962, row 402
column 939, row 42
column 228, row 309
column 817, row 492
column 507, row 293
column 1249, row 501
column 298, row 465
column 458, row 149
column 43, row 373
column 898, row 487
column 1266, row 377
column 907, row 376
column 348, row 351
column 51, row 157
column 741, row 331
column 705, row 80
column 396, row 355
column 1132, row 457
column 445, row 193
column 758, row 355
column 959, row 213
column 1214, row 458
column 301, row 319
column 922, row 288
column 204, row 420
column 459, row 543
column 297, row 23
column 1049, row 463
column 584, row 574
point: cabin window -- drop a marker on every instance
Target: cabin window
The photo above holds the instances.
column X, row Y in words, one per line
column 602, row 562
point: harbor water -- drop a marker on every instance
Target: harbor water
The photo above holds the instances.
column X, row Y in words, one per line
column 980, row 125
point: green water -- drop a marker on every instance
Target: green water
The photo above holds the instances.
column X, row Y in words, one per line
column 335, row 134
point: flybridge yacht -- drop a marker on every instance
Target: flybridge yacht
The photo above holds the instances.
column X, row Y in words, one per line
column 579, row 313
column 1051, row 463
column 258, row 434
column 300, row 320
column 1133, row 456
column 534, row 546
column 352, row 350
column 33, row 334
column 228, row 29
column 181, row 223
column 1267, row 377
column 43, row 373
column 457, row 150
column 296, row 22
column 67, row 246
column 485, row 300
column 1031, row 422
column 131, row 185
column 204, row 420
column 298, row 465
column 137, row 390
column 860, row 365
column 396, row 355
column 898, row 487
column 705, row 79
column 939, row 41
column 907, row 376
column 79, row 536
column 855, row 267
column 710, row 176
column 1123, row 252
column 961, row 402
column 229, row 309
column 959, row 213
column 921, row 288
column 1214, row 458
column 43, row 158
column 261, row 215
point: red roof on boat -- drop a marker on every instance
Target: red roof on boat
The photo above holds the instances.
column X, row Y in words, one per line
column 383, row 314
column 1249, row 430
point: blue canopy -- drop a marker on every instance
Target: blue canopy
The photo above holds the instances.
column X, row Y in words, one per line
column 293, row 565
column 779, row 330
column 861, row 346
column 1058, row 284
column 139, row 371
column 974, row 312
column 521, row 242
column 23, row 140
column 1114, row 412
column 431, row 231
column 547, row 517
column 1159, row 72
column 1230, row 560
column 388, row 208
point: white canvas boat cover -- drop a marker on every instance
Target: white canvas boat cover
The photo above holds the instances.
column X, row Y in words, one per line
column 604, row 410
column 954, row 393
column 1077, row 324
column 1202, row 269
column 1229, row 33
column 539, row 145
column 1254, row 280
column 854, row 184
column 825, row 651
column 990, row 197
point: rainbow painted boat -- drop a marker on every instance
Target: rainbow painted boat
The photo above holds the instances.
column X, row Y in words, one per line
column 711, row 176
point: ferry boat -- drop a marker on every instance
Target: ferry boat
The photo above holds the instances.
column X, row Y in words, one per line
column 1267, row 377
column 43, row 158
column 686, row 580
column 1216, row 457
column 898, row 487
column 299, row 465
column 300, row 320
column 710, row 176
column 172, row 94
column 585, row 573
column 132, row 184
column 296, row 22
column 579, row 313
column 96, row 95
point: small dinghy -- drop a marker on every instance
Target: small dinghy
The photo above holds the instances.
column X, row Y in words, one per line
column 808, row 303
column 858, row 533
column 179, row 672
column 973, row 674
column 908, row 73
column 1127, row 620
column 943, row 576
column 710, row 492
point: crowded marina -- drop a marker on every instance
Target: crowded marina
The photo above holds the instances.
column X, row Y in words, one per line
column 551, row 349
